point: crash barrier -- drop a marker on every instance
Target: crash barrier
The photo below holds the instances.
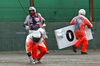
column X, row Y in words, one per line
column 13, row 35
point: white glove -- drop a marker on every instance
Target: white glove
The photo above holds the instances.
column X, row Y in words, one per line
column 27, row 27
column 59, row 34
column 45, row 35
column 31, row 60
column 44, row 25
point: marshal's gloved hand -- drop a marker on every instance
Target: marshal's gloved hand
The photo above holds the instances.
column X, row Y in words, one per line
column 27, row 27
column 24, row 24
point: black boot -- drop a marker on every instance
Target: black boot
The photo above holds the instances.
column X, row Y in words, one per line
column 38, row 60
column 74, row 48
column 84, row 53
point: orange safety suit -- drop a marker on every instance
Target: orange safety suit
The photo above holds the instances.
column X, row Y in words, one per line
column 40, row 21
column 32, row 47
column 80, row 22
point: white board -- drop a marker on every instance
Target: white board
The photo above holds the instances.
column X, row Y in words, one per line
column 65, row 36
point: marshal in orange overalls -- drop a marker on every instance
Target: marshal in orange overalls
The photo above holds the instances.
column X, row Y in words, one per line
column 35, row 26
column 32, row 46
column 80, row 22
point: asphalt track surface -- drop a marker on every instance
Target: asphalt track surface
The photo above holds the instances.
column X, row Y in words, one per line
column 56, row 58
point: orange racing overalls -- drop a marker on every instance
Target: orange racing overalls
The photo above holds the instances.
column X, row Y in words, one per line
column 80, row 22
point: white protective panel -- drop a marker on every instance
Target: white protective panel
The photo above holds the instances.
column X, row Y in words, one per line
column 65, row 36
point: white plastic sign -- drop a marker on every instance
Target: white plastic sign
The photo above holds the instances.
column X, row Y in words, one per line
column 65, row 36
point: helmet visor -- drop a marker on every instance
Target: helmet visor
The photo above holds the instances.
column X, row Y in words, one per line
column 36, row 40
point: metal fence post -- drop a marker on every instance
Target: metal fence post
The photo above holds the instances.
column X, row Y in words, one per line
column 32, row 3
column 91, row 13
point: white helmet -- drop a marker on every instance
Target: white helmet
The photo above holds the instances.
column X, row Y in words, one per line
column 36, row 34
column 82, row 12
column 32, row 8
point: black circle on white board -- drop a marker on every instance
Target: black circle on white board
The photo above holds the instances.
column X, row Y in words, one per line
column 71, row 37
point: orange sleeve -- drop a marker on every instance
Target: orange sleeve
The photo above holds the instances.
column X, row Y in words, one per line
column 72, row 22
column 29, row 46
column 87, row 22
